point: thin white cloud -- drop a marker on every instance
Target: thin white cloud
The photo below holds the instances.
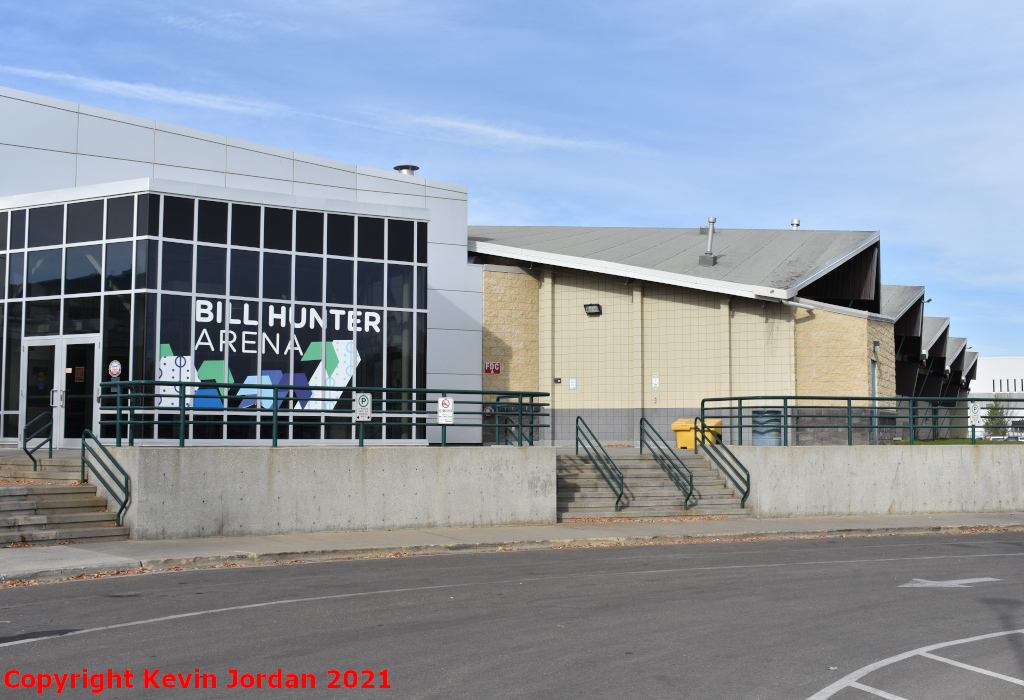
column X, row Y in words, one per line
column 153, row 93
column 459, row 130
column 498, row 136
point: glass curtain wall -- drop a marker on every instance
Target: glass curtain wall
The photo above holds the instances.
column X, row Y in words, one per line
column 212, row 291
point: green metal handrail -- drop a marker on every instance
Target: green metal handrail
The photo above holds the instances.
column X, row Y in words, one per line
column 125, row 486
column 131, row 404
column 911, row 413
column 25, row 437
column 723, row 458
column 603, row 461
column 669, row 460
column 512, row 420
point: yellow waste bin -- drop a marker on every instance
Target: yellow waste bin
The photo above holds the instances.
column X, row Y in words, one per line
column 683, row 429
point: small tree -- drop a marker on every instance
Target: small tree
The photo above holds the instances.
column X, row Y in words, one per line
column 996, row 418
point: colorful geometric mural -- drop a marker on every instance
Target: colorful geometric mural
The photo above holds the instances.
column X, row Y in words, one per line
column 337, row 359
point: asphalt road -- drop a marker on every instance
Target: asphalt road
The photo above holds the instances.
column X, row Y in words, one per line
column 771, row 619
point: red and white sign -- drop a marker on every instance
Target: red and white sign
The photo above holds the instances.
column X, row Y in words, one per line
column 445, row 411
column 492, row 368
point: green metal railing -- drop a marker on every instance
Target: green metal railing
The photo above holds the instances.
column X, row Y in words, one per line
column 130, row 406
column 667, row 458
column 514, row 420
column 603, row 461
column 867, row 418
column 47, row 427
column 722, row 456
column 93, row 460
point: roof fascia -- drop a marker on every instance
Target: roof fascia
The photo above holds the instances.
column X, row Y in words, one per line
column 628, row 271
column 967, row 367
column 192, row 189
column 926, row 347
column 831, row 265
column 845, row 311
column 908, row 306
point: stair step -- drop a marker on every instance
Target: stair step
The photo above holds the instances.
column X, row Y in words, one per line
column 52, row 507
column 73, row 534
column 23, row 523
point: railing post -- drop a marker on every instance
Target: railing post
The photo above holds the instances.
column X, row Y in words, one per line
column 520, row 420
column 849, row 421
column 117, row 420
column 912, row 421
column 181, row 412
column 785, row 422
column 273, row 441
column 739, row 415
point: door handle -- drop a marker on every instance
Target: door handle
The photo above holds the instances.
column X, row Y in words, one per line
column 62, row 395
column 54, row 398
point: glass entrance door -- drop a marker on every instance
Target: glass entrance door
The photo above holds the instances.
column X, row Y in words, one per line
column 60, row 377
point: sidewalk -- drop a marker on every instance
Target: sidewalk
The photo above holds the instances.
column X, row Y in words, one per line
column 43, row 563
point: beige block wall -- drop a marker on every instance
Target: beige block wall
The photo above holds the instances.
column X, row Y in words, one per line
column 596, row 350
column 762, row 349
column 700, row 344
column 510, row 310
column 834, row 353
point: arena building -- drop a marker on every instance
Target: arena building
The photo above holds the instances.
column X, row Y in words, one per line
column 649, row 321
column 160, row 252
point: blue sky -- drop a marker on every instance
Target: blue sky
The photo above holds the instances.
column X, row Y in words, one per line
column 904, row 117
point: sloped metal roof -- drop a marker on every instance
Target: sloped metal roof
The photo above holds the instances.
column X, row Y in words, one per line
column 897, row 299
column 970, row 358
column 771, row 262
column 932, row 331
column 953, row 348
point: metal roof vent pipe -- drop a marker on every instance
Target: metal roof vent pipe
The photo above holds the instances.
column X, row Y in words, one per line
column 707, row 259
column 795, row 223
column 407, row 169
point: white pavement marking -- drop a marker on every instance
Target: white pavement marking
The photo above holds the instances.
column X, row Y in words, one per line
column 875, row 691
column 492, row 583
column 850, row 679
column 957, row 583
column 985, row 671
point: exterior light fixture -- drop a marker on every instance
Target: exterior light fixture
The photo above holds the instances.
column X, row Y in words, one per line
column 592, row 309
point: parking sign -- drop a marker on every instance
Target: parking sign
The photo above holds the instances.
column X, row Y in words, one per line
column 363, row 404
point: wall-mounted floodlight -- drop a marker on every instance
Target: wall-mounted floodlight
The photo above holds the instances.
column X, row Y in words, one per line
column 877, row 345
column 592, row 309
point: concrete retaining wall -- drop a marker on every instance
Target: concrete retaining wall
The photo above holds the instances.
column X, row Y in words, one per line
column 209, row 491
column 874, row 480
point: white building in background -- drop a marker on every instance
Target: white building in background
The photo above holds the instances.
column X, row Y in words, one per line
column 1002, row 378
column 999, row 375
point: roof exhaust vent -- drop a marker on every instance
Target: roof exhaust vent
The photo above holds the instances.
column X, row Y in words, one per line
column 795, row 223
column 407, row 169
column 707, row 259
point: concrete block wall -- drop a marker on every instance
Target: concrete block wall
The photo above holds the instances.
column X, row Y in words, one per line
column 48, row 144
column 212, row 491
column 876, row 480
column 834, row 353
column 510, row 307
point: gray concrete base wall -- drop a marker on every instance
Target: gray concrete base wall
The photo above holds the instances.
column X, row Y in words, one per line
column 210, row 491
column 875, row 480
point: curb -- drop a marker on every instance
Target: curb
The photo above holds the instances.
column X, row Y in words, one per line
column 167, row 564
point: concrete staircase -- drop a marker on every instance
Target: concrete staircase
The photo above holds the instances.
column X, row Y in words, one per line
column 649, row 492
column 62, row 469
column 60, row 509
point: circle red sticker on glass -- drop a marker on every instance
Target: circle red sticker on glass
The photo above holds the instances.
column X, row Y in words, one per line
column 114, row 368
